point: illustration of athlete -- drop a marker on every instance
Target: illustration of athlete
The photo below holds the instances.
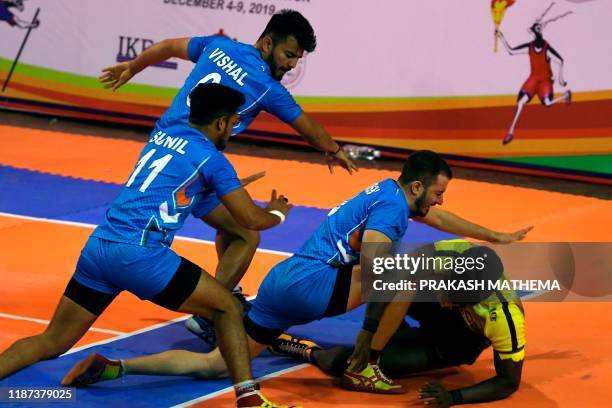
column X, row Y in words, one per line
column 541, row 78
column 12, row 19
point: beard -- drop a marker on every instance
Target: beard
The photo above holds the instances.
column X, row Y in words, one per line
column 221, row 144
column 274, row 71
column 422, row 209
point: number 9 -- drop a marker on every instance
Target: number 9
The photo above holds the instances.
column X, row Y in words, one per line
column 213, row 77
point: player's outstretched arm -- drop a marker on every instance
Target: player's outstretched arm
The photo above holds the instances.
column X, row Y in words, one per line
column 449, row 222
column 505, row 383
column 512, row 50
column 26, row 24
column 252, row 216
column 316, row 135
column 115, row 76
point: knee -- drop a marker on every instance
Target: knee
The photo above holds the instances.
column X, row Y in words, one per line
column 54, row 345
column 231, row 306
column 212, row 373
column 250, row 237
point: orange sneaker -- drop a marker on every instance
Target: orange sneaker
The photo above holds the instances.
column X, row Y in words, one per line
column 295, row 347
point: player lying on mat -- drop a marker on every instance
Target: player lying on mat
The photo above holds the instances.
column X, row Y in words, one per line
column 181, row 171
column 322, row 278
column 449, row 335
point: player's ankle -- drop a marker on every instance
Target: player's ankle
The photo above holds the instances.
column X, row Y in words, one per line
column 247, row 394
column 245, row 387
column 113, row 371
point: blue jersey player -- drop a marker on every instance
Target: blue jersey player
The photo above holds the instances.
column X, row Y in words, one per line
column 256, row 71
column 323, row 278
column 180, row 171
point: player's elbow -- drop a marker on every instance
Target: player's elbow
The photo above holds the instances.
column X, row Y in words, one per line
column 508, row 386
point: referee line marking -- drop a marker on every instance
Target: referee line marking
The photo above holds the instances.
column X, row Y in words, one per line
column 46, row 322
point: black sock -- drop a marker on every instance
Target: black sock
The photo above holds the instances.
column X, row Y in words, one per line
column 374, row 356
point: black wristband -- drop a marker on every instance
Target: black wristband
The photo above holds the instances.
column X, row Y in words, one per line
column 456, row 397
column 370, row 325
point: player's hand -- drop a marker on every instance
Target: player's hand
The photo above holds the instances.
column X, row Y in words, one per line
column 253, row 177
column 361, row 355
column 115, row 76
column 279, row 203
column 341, row 159
column 562, row 83
column 508, row 237
column 436, row 395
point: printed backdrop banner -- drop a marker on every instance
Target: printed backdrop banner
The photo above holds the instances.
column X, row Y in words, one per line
column 399, row 74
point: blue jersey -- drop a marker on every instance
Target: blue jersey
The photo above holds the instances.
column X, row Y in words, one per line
column 381, row 207
column 238, row 66
column 178, row 169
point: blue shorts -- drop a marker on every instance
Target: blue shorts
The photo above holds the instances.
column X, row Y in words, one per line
column 110, row 267
column 296, row 291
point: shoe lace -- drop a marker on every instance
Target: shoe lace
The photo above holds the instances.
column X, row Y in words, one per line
column 381, row 375
column 294, row 348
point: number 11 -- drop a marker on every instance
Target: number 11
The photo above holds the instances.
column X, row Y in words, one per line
column 157, row 166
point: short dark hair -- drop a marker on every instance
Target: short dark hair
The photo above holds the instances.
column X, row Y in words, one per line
column 489, row 274
column 290, row 22
column 424, row 166
column 211, row 101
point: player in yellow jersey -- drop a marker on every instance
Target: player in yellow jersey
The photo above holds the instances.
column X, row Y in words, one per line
column 451, row 333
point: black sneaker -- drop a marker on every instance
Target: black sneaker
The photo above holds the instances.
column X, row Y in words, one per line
column 203, row 328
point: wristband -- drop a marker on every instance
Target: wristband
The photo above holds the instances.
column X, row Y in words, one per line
column 456, row 397
column 370, row 325
column 278, row 214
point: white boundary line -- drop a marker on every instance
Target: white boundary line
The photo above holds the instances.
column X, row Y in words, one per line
column 46, row 322
column 228, row 389
column 91, row 226
column 126, row 335
column 121, row 335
